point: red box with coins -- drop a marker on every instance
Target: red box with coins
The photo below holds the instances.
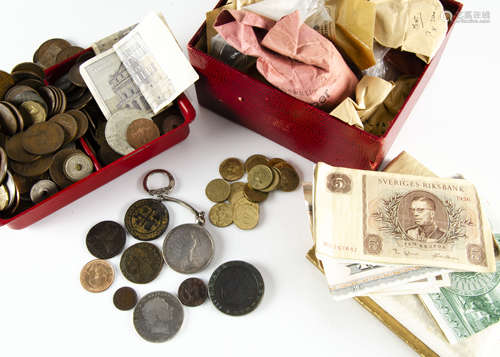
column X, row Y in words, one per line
column 102, row 173
column 299, row 126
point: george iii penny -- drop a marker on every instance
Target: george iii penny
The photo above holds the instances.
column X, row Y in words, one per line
column 106, row 239
column 141, row 263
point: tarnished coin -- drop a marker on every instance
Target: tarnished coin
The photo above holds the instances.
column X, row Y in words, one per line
column 276, row 181
column 158, row 316
column 3, row 164
column 23, row 184
column 97, row 275
column 188, row 248
column 125, row 298
column 254, row 195
column 192, row 292
column 116, row 129
column 67, row 53
column 231, row 169
column 80, row 102
column 68, row 124
column 77, row 166
column 105, row 240
column 142, row 131
column 42, row 190
column 56, row 168
column 3, row 139
column 75, row 77
column 236, row 288
column 4, row 197
column 256, row 159
column 245, row 215
column 107, row 155
column 32, row 112
column 82, row 121
column 31, row 67
column 21, row 93
column 171, row 122
column 47, row 52
column 260, row 177
column 6, row 81
column 289, row 179
column 32, row 169
column 8, row 120
column 43, row 138
column 146, row 219
column 218, row 190
column 141, row 263
column 221, row 215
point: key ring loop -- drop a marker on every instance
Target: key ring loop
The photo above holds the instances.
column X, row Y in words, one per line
column 162, row 191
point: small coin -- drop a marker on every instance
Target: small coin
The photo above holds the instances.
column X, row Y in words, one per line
column 8, row 120
column 260, row 177
column 68, row 124
column 256, row 159
column 77, row 166
column 48, row 51
column 221, row 215
column 32, row 112
column 289, row 178
column 141, row 263
column 142, row 131
column 42, row 190
column 231, row 169
column 218, row 190
column 276, row 181
column 32, row 169
column 82, row 121
column 16, row 152
column 105, row 240
column 236, row 288
column 3, row 164
column 56, row 168
column 67, row 53
column 245, row 215
column 97, row 275
column 125, row 298
column 147, row 219
column 6, row 81
column 116, row 129
column 158, row 316
column 254, row 195
column 192, row 292
column 43, row 138
column 188, row 248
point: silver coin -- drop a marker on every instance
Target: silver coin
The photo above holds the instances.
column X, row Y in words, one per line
column 116, row 129
column 11, row 186
column 188, row 248
column 77, row 166
column 42, row 189
column 158, row 316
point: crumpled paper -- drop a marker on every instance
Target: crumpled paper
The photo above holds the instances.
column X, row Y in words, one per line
column 291, row 56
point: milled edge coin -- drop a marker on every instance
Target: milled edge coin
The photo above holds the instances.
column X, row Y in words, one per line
column 97, row 269
column 105, row 239
column 136, row 212
column 192, row 292
column 125, row 298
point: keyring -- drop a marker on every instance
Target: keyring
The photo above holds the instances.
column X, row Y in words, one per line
column 162, row 190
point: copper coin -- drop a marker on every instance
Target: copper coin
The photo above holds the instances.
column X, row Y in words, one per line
column 147, row 219
column 82, row 121
column 142, row 131
column 20, row 76
column 68, row 124
column 106, row 239
column 254, row 160
column 171, row 122
column 36, row 84
column 56, row 169
column 22, row 93
column 192, row 292
column 6, row 81
column 81, row 102
column 16, row 152
column 67, row 53
column 63, row 102
column 8, row 121
column 75, row 77
column 32, row 169
column 125, row 298
column 97, row 275
column 289, row 179
column 231, row 169
column 3, row 164
column 48, row 51
column 254, row 195
column 31, row 67
column 43, row 138
column 141, row 263
column 18, row 115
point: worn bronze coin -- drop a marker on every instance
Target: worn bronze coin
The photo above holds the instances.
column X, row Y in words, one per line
column 236, row 288
column 32, row 169
column 31, row 67
column 46, row 54
column 8, row 120
column 254, row 195
column 276, row 181
column 107, row 155
column 32, row 112
column 22, row 93
column 56, row 168
column 192, row 292
column 147, row 219
column 245, row 214
column 231, row 169
column 68, row 124
column 221, row 215
column 79, row 103
column 6, row 81
column 171, row 122
column 82, row 121
column 19, row 118
column 43, row 138
column 105, row 240
column 235, row 188
column 97, row 275
column 125, row 298
column 3, row 164
column 75, row 77
column 142, row 131
column 15, row 150
column 256, row 159
column 141, row 263
column 67, row 53
column 36, row 84
column 218, row 190
column 289, row 179
column 260, row 176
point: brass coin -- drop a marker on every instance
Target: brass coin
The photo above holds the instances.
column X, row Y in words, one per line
column 231, row 169
column 256, row 159
column 6, row 81
column 276, row 181
column 245, row 215
column 43, row 138
column 56, row 169
column 254, row 195
column 289, row 178
column 48, row 51
column 82, row 121
column 3, row 164
column 274, row 161
column 236, row 187
column 281, row 164
column 68, row 124
column 260, row 177
column 142, row 131
column 32, row 169
column 8, row 120
column 141, row 263
column 16, row 152
column 218, row 190
column 31, row 67
column 97, row 275
column 4, row 197
column 67, row 53
column 147, row 219
column 221, row 215
column 32, row 112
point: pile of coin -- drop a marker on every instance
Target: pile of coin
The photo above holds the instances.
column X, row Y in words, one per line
column 53, row 51
column 264, row 176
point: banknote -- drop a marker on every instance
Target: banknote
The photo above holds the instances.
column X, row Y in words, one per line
column 381, row 218
column 108, row 42
column 155, row 62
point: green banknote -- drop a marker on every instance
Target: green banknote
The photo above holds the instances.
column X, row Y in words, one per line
column 469, row 305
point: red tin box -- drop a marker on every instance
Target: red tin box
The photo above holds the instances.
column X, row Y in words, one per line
column 102, row 175
column 294, row 124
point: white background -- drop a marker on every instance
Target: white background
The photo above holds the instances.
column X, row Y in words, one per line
column 44, row 310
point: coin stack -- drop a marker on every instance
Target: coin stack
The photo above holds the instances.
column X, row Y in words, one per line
column 264, row 176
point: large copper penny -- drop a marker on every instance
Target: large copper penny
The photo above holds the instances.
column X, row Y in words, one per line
column 97, row 275
column 192, row 292
column 141, row 263
column 125, row 298
column 147, row 219
column 106, row 239
column 43, row 138
column 47, row 52
column 16, row 152
column 142, row 131
column 32, row 169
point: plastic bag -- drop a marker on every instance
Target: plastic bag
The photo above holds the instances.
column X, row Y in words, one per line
column 276, row 9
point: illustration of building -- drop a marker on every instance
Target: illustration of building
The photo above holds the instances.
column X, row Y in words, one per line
column 128, row 93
